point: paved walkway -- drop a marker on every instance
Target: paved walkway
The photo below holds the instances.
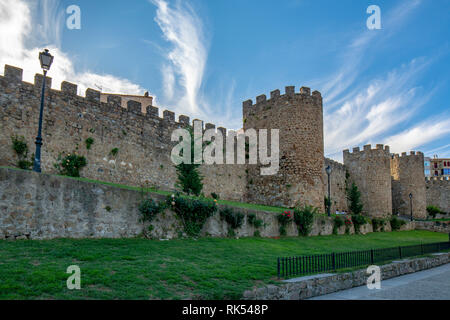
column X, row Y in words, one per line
column 431, row 284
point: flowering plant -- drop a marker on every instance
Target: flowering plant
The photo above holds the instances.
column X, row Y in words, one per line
column 284, row 219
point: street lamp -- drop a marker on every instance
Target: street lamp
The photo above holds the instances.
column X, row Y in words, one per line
column 410, row 203
column 328, row 170
column 46, row 60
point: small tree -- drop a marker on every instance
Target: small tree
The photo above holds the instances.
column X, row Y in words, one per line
column 189, row 178
column 354, row 198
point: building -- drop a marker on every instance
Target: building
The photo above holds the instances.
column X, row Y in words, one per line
column 146, row 100
column 440, row 167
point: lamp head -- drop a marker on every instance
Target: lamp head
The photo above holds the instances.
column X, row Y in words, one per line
column 46, row 60
column 328, row 170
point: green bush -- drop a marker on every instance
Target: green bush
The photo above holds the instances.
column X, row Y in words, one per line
column 233, row 218
column 433, row 211
column 70, row 165
column 20, row 147
column 149, row 209
column 396, row 223
column 358, row 220
column 215, row 196
column 254, row 221
column 337, row 223
column 192, row 212
column 89, row 142
column 304, row 219
column 378, row 224
column 114, row 152
column 283, row 220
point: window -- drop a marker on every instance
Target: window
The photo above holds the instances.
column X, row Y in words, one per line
column 445, row 172
column 427, row 163
column 436, row 173
column 427, row 172
column 435, row 165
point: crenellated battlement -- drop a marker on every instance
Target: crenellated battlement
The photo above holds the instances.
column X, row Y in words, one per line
column 404, row 155
column 69, row 91
column 368, row 150
column 275, row 95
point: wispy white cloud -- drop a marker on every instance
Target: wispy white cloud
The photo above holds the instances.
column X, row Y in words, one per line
column 23, row 35
column 183, row 72
column 187, row 58
column 358, row 111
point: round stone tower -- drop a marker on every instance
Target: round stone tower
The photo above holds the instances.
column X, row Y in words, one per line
column 370, row 170
column 299, row 119
column 408, row 177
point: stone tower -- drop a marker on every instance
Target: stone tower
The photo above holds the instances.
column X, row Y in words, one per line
column 370, row 170
column 299, row 118
column 408, row 177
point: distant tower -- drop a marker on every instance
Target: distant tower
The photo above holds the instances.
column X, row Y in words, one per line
column 408, row 177
column 370, row 170
column 299, row 117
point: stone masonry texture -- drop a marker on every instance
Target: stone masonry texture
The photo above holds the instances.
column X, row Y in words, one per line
column 299, row 117
column 370, row 170
column 408, row 177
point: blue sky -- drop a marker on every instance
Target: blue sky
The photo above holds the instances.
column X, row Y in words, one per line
column 203, row 58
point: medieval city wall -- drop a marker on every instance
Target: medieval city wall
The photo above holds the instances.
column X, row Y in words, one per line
column 299, row 117
column 338, row 185
column 438, row 193
column 143, row 140
column 370, row 170
column 408, row 177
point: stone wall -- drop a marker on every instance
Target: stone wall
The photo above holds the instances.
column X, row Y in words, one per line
column 299, row 117
column 370, row 170
column 143, row 139
column 435, row 226
column 408, row 177
column 338, row 180
column 438, row 193
column 308, row 287
column 42, row 206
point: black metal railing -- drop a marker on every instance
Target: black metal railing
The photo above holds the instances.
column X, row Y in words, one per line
column 304, row 265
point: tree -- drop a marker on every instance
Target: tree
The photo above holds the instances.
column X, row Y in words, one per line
column 189, row 178
column 354, row 198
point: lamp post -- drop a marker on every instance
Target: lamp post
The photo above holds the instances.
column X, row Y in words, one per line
column 410, row 203
column 328, row 170
column 46, row 60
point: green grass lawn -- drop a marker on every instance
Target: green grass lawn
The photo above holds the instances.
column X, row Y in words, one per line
column 142, row 269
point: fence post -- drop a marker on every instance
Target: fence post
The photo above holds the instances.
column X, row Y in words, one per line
column 278, row 267
column 334, row 261
column 371, row 256
column 400, row 252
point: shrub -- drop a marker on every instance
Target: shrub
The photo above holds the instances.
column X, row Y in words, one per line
column 304, row 219
column 189, row 179
column 70, row 165
column 192, row 212
column 149, row 209
column 337, row 223
column 283, row 220
column 215, row 196
column 378, row 224
column 20, row 147
column 354, row 198
column 253, row 221
column 358, row 220
column 114, row 152
column 233, row 218
column 433, row 211
column 89, row 142
column 396, row 223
